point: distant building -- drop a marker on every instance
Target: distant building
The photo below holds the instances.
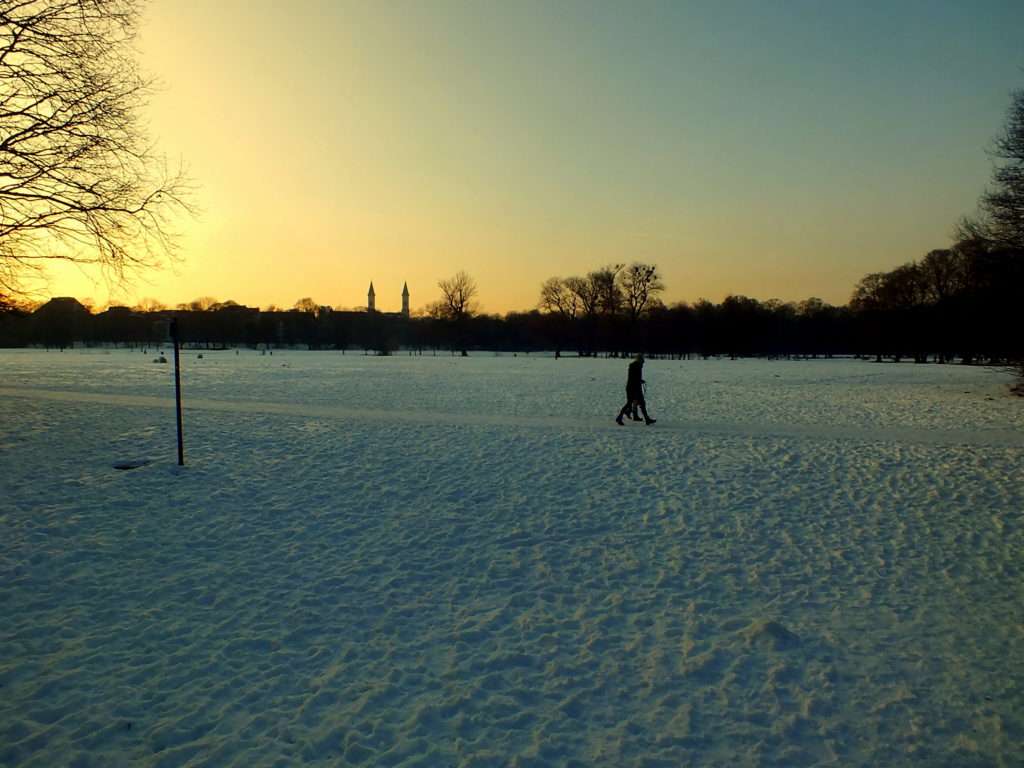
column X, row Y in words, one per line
column 371, row 301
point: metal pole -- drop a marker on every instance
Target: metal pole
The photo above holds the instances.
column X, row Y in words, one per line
column 177, row 390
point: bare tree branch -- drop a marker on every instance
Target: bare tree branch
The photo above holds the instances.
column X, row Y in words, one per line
column 586, row 291
column 641, row 284
column 79, row 180
column 605, row 282
column 557, row 297
column 458, row 296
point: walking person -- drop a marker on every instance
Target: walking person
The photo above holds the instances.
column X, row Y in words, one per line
column 635, row 392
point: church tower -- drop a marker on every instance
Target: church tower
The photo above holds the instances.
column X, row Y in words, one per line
column 371, row 299
column 405, row 300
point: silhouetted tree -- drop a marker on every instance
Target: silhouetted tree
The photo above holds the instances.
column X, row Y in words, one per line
column 608, row 288
column 1000, row 225
column 876, row 299
column 562, row 305
column 202, row 304
column 150, row 305
column 458, row 300
column 119, row 325
column 640, row 284
column 740, row 316
column 955, row 302
column 586, row 291
column 79, row 179
column 942, row 274
column 1003, row 204
column 817, row 328
column 709, row 341
column 457, row 306
column 556, row 297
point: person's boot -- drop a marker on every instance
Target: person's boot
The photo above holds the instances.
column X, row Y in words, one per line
column 650, row 421
column 623, row 411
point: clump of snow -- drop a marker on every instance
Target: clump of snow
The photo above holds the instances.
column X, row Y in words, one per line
column 437, row 561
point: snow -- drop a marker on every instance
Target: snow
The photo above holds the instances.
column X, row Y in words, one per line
column 463, row 561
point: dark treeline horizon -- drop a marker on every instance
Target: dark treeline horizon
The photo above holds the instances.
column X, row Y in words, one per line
column 957, row 304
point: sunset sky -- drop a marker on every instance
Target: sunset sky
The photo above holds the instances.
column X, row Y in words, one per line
column 772, row 149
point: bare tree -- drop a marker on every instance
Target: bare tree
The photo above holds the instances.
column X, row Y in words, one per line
column 1000, row 217
column 806, row 308
column 869, row 293
column 458, row 301
column 150, row 305
column 79, row 180
column 1004, row 203
column 605, row 282
column 586, row 291
column 641, row 284
column 436, row 310
column 944, row 273
column 202, row 304
column 902, row 288
column 556, row 297
column 307, row 305
column 906, row 286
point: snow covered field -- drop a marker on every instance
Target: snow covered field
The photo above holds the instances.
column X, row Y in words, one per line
column 442, row 561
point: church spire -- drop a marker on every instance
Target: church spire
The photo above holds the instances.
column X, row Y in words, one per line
column 405, row 300
column 371, row 302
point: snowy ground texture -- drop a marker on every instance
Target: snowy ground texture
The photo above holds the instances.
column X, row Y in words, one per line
column 418, row 561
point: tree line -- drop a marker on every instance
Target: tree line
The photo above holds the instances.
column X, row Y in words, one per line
column 959, row 303
column 954, row 304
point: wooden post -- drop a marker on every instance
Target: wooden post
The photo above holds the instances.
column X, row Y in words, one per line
column 177, row 389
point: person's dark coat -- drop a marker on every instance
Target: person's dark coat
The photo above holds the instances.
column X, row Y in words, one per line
column 635, row 380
